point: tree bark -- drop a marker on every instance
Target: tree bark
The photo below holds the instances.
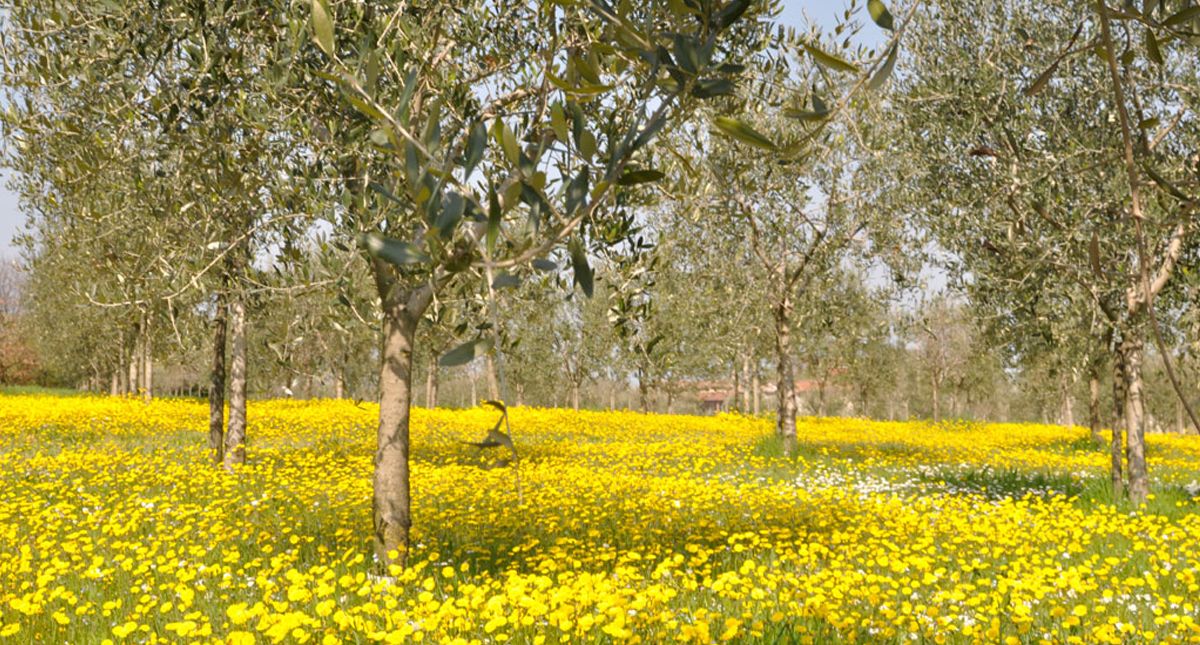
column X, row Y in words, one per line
column 392, row 500
column 114, row 387
column 612, row 396
column 575, row 396
column 235, row 439
column 216, row 388
column 785, row 424
column 1135, row 420
column 670, row 402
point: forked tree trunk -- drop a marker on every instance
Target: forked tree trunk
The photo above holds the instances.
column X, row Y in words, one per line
column 785, row 424
column 216, row 388
column 1094, row 403
column 392, row 500
column 1135, row 420
column 235, row 439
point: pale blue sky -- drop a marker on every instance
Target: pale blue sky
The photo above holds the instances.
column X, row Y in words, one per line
column 824, row 12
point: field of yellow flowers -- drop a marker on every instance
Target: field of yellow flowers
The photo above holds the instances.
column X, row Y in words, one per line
column 625, row 528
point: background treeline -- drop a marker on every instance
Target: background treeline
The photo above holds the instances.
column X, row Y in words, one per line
column 876, row 354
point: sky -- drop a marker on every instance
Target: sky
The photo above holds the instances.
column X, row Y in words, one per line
column 796, row 13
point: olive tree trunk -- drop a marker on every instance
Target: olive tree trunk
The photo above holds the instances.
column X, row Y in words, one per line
column 493, row 382
column 431, row 383
column 935, row 384
column 235, row 439
column 1117, row 445
column 747, row 383
column 1068, row 404
column 1135, row 419
column 785, row 424
column 216, row 388
column 1094, row 403
column 392, row 503
column 756, row 390
column 147, row 365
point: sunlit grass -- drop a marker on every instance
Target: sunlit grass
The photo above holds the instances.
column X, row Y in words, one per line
column 627, row 527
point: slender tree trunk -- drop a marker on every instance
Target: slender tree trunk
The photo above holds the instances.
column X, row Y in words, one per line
column 339, row 377
column 1117, row 445
column 1180, row 425
column 612, row 396
column 431, row 382
column 520, row 394
column 134, row 355
column 574, row 396
column 937, row 404
column 114, row 387
column 756, row 390
column 216, row 388
column 392, row 500
column 1135, row 420
column 492, row 381
column 746, row 383
column 786, row 421
column 670, row 402
column 235, row 439
column 1068, row 404
column 737, row 386
column 1094, row 403
column 643, row 393
column 147, row 365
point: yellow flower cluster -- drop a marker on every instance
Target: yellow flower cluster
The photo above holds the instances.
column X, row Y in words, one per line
column 614, row 527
